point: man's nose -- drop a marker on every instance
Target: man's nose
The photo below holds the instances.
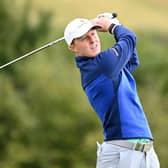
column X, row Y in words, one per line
column 92, row 39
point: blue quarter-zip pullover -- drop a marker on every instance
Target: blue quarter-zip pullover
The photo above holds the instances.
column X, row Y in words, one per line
column 111, row 89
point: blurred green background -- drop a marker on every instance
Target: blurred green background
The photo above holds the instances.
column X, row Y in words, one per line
column 45, row 118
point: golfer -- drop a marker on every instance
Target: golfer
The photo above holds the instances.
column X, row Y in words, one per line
column 107, row 80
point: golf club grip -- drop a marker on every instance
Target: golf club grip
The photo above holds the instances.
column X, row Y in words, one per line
column 114, row 14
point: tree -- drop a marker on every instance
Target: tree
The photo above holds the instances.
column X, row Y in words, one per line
column 42, row 125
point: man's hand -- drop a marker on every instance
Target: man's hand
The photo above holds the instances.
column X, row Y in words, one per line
column 103, row 23
column 104, row 20
column 107, row 15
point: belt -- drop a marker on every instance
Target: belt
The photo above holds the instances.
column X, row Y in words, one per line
column 142, row 147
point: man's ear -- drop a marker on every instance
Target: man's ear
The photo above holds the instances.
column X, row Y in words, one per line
column 73, row 48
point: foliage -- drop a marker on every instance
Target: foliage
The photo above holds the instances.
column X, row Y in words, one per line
column 152, row 81
column 45, row 118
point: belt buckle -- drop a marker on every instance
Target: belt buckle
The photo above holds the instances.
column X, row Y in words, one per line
column 139, row 147
column 147, row 147
column 143, row 147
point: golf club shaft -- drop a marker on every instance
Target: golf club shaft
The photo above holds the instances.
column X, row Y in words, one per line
column 32, row 52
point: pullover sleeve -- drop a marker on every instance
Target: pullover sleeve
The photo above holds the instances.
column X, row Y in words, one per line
column 122, row 54
column 133, row 62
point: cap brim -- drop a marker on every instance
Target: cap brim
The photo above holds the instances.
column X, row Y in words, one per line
column 86, row 30
column 96, row 27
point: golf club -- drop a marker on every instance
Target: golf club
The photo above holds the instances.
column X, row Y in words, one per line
column 111, row 16
column 33, row 52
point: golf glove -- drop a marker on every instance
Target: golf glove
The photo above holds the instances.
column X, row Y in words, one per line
column 109, row 16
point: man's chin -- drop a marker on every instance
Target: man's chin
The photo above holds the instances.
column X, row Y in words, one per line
column 94, row 55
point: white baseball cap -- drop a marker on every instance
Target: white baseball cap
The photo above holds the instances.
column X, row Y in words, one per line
column 77, row 28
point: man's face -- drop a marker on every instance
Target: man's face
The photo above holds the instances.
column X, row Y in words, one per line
column 87, row 45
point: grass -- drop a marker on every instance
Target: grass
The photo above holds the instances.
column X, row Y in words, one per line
column 144, row 14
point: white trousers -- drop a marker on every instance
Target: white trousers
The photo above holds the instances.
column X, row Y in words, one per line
column 113, row 156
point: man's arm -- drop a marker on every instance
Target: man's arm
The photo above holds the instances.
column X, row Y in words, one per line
column 133, row 62
column 113, row 60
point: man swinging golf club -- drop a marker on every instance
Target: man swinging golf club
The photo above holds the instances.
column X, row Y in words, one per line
column 107, row 80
